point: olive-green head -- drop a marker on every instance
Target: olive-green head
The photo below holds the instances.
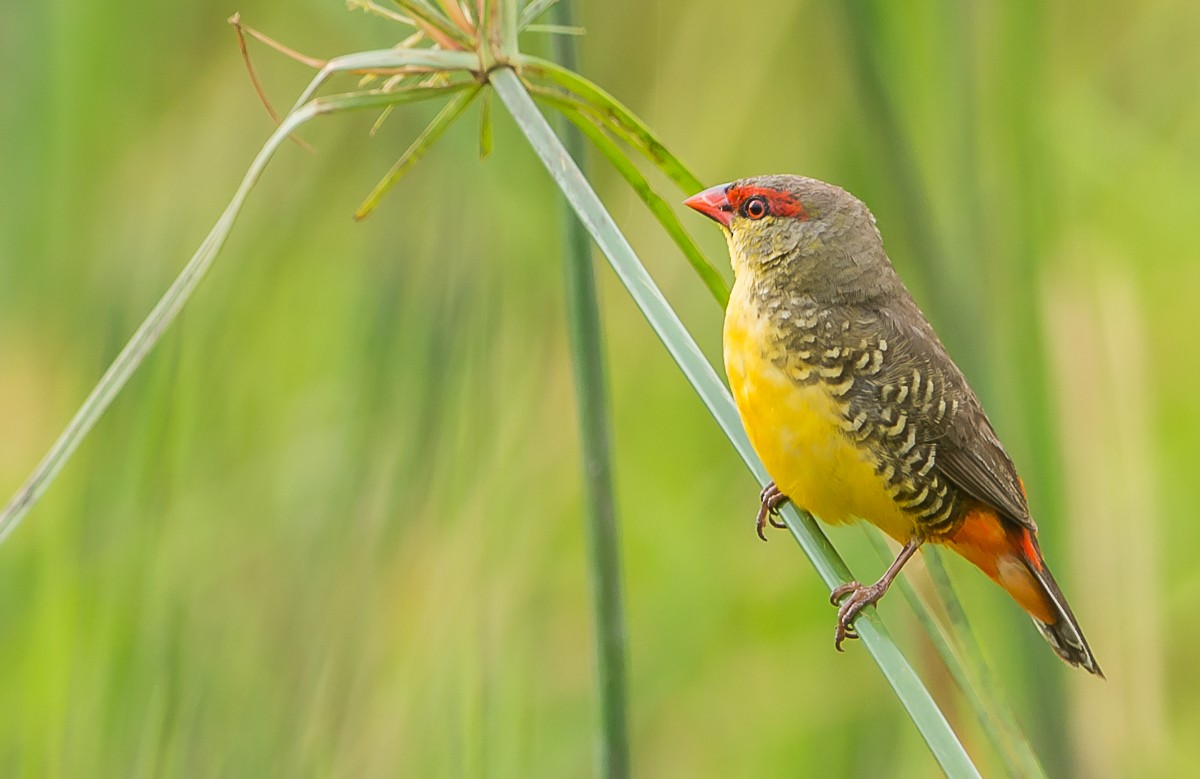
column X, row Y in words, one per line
column 801, row 234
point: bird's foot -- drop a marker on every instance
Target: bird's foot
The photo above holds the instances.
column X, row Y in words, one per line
column 860, row 596
column 770, row 499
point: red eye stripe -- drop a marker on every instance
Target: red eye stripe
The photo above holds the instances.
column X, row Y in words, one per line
column 780, row 203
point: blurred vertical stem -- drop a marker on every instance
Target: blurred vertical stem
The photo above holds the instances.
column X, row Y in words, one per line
column 587, row 354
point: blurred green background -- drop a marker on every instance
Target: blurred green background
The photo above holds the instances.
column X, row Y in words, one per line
column 333, row 526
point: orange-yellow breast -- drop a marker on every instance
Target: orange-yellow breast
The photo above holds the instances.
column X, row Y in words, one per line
column 796, row 429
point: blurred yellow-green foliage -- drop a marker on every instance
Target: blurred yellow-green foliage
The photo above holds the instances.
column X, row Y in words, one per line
column 333, row 526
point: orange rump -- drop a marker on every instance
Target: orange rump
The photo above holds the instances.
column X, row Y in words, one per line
column 1007, row 553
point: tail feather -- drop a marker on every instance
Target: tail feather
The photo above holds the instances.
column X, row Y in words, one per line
column 1064, row 634
column 1010, row 555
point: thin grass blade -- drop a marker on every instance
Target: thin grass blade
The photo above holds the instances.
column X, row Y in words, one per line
column 666, row 217
column 533, row 10
column 556, row 29
column 168, row 307
column 379, row 120
column 429, row 136
column 605, row 105
column 387, row 59
column 932, row 724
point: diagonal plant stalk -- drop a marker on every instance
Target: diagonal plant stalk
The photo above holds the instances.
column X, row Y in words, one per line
column 934, row 728
column 591, row 391
column 429, row 136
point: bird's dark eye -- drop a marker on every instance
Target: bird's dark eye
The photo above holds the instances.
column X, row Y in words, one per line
column 755, row 208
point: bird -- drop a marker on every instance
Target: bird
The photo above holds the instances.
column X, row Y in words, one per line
column 854, row 405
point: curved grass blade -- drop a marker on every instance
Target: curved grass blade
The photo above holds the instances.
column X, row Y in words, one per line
column 173, row 300
column 387, row 59
column 429, row 136
column 659, row 207
column 533, row 10
column 946, row 748
column 609, row 107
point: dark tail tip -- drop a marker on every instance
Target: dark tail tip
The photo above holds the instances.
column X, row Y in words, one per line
column 1065, row 635
column 1067, row 640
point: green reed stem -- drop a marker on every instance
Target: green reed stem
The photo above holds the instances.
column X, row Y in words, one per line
column 587, row 358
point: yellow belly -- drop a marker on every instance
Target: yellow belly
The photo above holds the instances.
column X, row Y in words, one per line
column 796, row 430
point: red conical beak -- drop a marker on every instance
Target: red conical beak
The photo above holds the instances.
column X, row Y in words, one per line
column 713, row 203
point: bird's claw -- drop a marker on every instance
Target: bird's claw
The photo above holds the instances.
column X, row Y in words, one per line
column 842, row 591
column 860, row 597
column 770, row 499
